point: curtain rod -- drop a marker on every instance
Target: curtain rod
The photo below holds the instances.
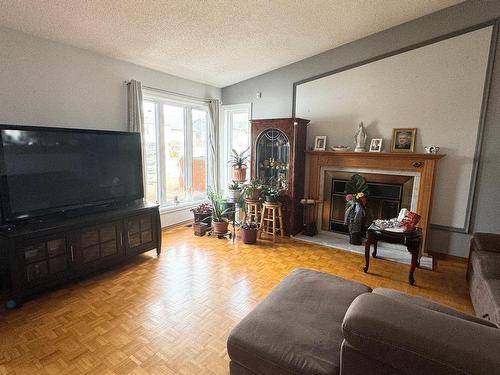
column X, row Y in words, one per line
column 172, row 93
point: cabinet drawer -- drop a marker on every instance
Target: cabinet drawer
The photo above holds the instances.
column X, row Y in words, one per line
column 34, row 252
column 134, row 239
column 36, row 271
column 133, row 225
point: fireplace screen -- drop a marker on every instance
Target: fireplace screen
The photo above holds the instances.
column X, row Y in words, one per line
column 384, row 202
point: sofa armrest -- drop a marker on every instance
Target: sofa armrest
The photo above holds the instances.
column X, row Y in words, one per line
column 486, row 242
column 419, row 341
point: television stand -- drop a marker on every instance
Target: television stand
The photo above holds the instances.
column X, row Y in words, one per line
column 51, row 253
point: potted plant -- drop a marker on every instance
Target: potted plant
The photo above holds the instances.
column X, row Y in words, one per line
column 239, row 163
column 272, row 193
column 219, row 220
column 234, row 190
column 249, row 230
column 252, row 190
column 357, row 193
column 203, row 213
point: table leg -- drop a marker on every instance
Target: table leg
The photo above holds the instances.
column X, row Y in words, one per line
column 368, row 243
column 374, row 253
column 414, row 263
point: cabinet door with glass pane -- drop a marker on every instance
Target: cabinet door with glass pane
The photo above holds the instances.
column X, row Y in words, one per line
column 44, row 259
column 97, row 243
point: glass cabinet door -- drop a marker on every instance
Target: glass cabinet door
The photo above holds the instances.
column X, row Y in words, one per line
column 273, row 157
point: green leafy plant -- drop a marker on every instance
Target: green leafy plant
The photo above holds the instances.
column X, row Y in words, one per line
column 272, row 192
column 218, row 211
column 234, row 186
column 249, row 225
column 239, row 160
column 252, row 189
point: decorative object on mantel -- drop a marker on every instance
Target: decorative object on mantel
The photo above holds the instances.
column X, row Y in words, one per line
column 357, row 193
column 376, row 145
column 403, row 139
column 360, row 139
column 238, row 161
column 431, row 149
column 320, row 143
column 340, row 148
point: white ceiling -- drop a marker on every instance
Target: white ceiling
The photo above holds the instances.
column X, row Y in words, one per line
column 219, row 42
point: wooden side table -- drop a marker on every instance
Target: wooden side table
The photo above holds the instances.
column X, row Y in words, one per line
column 412, row 240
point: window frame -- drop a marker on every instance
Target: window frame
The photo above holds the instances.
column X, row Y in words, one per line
column 226, row 145
column 160, row 99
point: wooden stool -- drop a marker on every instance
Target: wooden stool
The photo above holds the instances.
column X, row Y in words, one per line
column 253, row 209
column 271, row 213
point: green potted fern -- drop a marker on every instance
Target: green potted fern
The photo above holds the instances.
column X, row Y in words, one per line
column 234, row 190
column 238, row 161
column 219, row 213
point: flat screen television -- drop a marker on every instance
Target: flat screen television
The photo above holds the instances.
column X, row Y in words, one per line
column 49, row 170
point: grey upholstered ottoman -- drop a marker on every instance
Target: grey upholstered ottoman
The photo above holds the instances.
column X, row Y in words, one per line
column 296, row 329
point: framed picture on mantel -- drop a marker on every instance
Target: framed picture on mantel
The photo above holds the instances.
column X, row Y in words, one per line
column 403, row 139
column 320, row 143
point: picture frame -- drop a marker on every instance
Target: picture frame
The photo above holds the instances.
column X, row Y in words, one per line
column 376, row 145
column 320, row 143
column 403, row 139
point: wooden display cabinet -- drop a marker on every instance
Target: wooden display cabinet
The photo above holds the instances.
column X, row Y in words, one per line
column 278, row 153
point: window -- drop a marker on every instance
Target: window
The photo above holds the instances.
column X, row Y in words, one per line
column 176, row 150
column 235, row 135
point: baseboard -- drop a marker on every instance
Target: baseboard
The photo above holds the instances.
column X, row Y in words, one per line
column 443, row 256
column 177, row 225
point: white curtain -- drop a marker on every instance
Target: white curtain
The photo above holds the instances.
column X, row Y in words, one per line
column 213, row 144
column 136, row 116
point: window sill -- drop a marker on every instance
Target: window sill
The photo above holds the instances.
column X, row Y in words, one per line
column 181, row 207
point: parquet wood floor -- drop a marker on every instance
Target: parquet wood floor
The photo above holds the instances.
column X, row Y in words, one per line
column 172, row 315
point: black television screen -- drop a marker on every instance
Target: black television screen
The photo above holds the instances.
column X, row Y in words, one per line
column 47, row 170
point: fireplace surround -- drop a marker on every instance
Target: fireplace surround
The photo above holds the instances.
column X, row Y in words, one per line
column 421, row 168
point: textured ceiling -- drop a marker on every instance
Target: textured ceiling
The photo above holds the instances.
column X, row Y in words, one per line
column 216, row 42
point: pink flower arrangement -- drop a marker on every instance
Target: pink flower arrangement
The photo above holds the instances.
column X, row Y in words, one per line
column 348, row 197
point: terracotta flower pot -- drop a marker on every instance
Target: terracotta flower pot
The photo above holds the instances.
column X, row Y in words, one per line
column 220, row 227
column 249, row 236
column 240, row 174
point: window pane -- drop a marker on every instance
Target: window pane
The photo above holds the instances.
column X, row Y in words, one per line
column 175, row 162
column 200, row 126
column 241, row 131
column 150, row 154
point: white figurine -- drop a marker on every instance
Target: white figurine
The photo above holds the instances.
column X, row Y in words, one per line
column 360, row 139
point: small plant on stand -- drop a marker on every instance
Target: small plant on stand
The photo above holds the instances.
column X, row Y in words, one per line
column 203, row 213
column 272, row 193
column 249, row 230
column 238, row 161
column 219, row 219
column 252, row 190
column 355, row 214
column 234, row 190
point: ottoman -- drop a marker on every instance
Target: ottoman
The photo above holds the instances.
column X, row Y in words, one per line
column 296, row 329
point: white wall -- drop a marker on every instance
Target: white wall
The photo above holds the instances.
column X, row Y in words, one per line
column 52, row 84
column 437, row 89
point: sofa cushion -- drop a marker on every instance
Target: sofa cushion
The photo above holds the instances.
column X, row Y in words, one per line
column 428, row 304
column 486, row 263
column 486, row 242
column 297, row 328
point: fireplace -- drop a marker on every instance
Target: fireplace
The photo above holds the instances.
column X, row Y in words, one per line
column 388, row 194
